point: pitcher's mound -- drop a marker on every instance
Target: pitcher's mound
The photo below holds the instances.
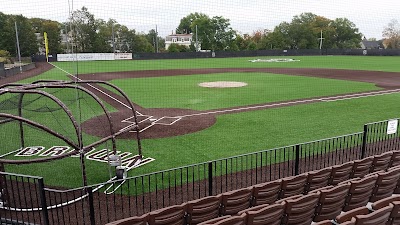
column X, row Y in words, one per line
column 222, row 84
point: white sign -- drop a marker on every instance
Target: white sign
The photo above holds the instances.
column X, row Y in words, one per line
column 392, row 126
column 120, row 56
column 85, row 57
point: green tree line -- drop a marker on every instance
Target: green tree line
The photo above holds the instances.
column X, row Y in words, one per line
column 86, row 33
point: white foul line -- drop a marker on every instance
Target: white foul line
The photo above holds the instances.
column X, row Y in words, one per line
column 94, row 87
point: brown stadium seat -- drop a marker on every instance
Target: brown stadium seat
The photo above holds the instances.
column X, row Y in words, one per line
column 331, row 202
column 395, row 215
column 381, row 162
column 395, row 160
column 378, row 217
column 227, row 220
column 300, row 211
column 340, row 173
column 325, row 222
column 266, row 193
column 269, row 215
column 361, row 167
column 317, row 179
column 385, row 202
column 385, row 184
column 203, row 209
column 215, row 220
column 293, row 185
column 235, row 201
column 136, row 220
column 359, row 192
column 255, row 208
column 173, row 215
column 347, row 216
column 397, row 189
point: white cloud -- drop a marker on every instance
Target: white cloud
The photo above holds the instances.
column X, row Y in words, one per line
column 246, row 16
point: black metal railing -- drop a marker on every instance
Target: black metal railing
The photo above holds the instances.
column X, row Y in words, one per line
column 25, row 199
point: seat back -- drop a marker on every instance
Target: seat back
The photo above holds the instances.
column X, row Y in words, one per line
column 301, row 210
column 331, row 202
column 173, row 215
column 317, row 179
column 377, row 217
column 361, row 167
column 235, row 201
column 340, row 173
column 325, row 222
column 381, row 162
column 395, row 215
column 266, row 193
column 395, row 160
column 293, row 185
column 349, row 215
column 230, row 220
column 397, row 189
column 385, row 202
column 385, row 184
column 203, row 209
column 136, row 220
column 269, row 215
column 359, row 193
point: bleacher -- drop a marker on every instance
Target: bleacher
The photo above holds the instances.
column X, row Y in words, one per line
column 359, row 192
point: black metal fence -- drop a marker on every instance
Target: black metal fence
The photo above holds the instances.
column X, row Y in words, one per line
column 26, row 199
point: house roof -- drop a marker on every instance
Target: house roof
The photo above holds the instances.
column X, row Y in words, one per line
column 370, row 44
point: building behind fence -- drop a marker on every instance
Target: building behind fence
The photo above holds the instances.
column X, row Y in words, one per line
column 25, row 199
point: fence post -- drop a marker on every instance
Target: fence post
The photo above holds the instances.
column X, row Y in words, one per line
column 43, row 202
column 297, row 160
column 91, row 205
column 364, row 143
column 210, row 179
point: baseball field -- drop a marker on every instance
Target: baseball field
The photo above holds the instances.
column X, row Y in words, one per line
column 279, row 103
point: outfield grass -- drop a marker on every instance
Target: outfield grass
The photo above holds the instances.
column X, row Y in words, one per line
column 184, row 92
column 238, row 133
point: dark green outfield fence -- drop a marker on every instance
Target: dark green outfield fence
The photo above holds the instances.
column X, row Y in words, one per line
column 255, row 53
column 26, row 199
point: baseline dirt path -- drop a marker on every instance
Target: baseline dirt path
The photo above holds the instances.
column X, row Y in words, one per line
column 190, row 121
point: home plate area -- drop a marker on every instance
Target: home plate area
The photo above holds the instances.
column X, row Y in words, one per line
column 146, row 121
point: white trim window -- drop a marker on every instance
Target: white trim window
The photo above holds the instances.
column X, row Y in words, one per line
column 174, row 40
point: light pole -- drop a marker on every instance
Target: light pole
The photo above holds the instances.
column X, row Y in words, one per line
column 19, row 50
column 197, row 43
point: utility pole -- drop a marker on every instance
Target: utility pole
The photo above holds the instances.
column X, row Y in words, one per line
column 19, row 50
column 197, row 43
column 113, row 37
column 156, row 40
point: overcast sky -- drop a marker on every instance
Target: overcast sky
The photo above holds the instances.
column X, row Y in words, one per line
column 370, row 16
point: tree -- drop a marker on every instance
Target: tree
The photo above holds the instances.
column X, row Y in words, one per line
column 84, row 29
column 347, row 34
column 152, row 37
column 177, row 48
column 186, row 23
column 53, row 30
column 391, row 33
column 27, row 39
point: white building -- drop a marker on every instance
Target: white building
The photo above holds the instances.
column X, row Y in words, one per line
column 180, row 39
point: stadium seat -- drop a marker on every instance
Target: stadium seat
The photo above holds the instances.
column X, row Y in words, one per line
column 136, row 220
column 347, row 216
column 325, row 222
column 215, row 220
column 397, row 189
column 359, row 192
column 385, row 202
column 170, row 215
column 232, row 220
column 395, row 160
column 378, row 217
column 317, row 179
column 300, row 211
column 203, row 209
column 266, row 193
column 235, row 201
column 340, row 173
column 385, row 184
column 361, row 167
column 395, row 215
column 331, row 202
column 269, row 215
column 293, row 185
column 381, row 162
